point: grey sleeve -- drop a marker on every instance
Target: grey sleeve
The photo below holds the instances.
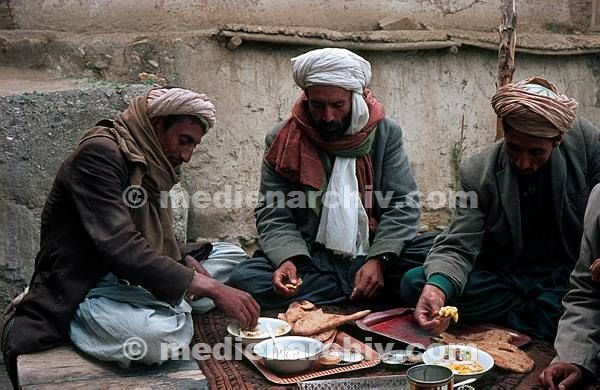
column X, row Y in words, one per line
column 455, row 250
column 399, row 219
column 280, row 238
column 592, row 143
column 578, row 337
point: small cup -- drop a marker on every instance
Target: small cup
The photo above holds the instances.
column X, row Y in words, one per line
column 430, row 377
column 398, row 360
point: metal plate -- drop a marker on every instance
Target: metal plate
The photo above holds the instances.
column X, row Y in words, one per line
column 399, row 324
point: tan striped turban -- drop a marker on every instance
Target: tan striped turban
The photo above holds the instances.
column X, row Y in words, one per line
column 535, row 107
column 178, row 101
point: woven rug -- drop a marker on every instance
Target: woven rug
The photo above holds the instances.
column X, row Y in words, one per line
column 211, row 329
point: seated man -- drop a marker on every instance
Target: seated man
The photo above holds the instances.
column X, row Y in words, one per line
column 108, row 251
column 507, row 254
column 577, row 342
column 338, row 205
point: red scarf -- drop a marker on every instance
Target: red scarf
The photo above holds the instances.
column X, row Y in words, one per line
column 294, row 153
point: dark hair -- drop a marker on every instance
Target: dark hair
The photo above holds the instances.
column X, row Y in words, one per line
column 170, row 119
column 505, row 126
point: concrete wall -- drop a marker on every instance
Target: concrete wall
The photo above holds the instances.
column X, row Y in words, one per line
column 183, row 15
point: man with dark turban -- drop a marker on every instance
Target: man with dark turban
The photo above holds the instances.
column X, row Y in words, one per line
column 109, row 266
column 339, row 210
column 506, row 257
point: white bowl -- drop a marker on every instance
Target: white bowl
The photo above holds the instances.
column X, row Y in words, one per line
column 279, row 327
column 437, row 355
column 296, row 354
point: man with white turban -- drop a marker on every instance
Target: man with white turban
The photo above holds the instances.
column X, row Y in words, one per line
column 508, row 252
column 344, row 223
column 109, row 266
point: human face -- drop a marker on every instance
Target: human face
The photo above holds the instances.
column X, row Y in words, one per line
column 330, row 108
column 179, row 140
column 527, row 154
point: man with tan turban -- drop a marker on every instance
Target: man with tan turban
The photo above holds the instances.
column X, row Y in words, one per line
column 109, row 266
column 506, row 258
column 338, row 214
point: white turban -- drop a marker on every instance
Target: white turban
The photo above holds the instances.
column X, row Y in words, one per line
column 178, row 101
column 339, row 68
column 345, row 230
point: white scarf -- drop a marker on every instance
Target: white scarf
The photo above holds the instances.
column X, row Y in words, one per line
column 344, row 224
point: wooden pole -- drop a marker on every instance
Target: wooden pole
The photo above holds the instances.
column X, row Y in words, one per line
column 506, row 52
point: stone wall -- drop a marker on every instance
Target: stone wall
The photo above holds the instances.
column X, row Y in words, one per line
column 427, row 92
column 37, row 131
column 6, row 17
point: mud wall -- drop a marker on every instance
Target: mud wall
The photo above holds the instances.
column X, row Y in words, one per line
column 183, row 15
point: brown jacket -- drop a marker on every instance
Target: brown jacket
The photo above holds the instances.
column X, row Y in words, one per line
column 87, row 231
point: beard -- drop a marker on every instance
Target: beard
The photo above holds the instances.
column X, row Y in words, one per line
column 333, row 130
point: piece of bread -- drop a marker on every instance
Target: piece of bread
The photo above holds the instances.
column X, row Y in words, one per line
column 508, row 356
column 492, row 335
column 316, row 321
column 296, row 310
column 323, row 336
column 449, row 311
column 496, row 342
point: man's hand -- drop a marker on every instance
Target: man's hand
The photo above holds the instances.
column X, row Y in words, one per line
column 561, row 376
column 368, row 281
column 194, row 264
column 595, row 269
column 233, row 302
column 427, row 311
column 284, row 277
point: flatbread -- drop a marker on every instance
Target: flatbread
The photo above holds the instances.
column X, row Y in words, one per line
column 324, row 336
column 331, row 339
column 492, row 335
column 296, row 311
column 508, row 356
column 308, row 320
column 496, row 342
column 316, row 321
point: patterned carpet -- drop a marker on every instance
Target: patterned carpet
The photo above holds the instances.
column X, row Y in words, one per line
column 239, row 374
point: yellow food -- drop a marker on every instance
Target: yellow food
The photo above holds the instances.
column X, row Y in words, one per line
column 294, row 286
column 465, row 368
column 252, row 333
column 449, row 311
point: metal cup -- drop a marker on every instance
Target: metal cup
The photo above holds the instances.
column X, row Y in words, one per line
column 430, row 377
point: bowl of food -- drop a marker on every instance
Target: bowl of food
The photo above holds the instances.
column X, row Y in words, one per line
column 260, row 333
column 464, row 361
column 291, row 355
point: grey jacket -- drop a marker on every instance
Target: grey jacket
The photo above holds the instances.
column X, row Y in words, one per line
column 488, row 233
column 578, row 337
column 290, row 231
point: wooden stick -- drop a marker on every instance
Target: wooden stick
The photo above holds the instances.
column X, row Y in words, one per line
column 506, row 52
column 320, row 42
